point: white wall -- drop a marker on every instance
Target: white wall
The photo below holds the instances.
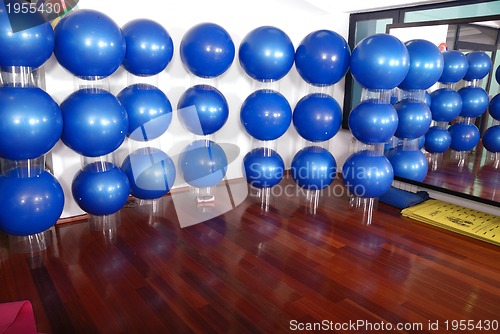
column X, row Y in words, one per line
column 296, row 17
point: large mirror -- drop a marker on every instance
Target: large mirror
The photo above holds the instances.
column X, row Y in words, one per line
column 467, row 26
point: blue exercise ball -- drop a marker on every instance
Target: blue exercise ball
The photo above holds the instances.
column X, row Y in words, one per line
column 95, row 123
column 464, row 137
column 475, row 101
column 150, row 171
column 497, row 75
column 30, row 205
column 373, row 123
column 313, row 168
column 266, row 53
column 437, row 140
column 494, row 107
column 491, row 139
column 428, row 99
column 265, row 114
column 322, row 58
column 411, row 165
column 367, row 175
column 202, row 110
column 446, row 105
column 100, row 190
column 203, row 163
column 455, row 67
column 426, row 65
column 31, row 123
column 148, row 109
column 89, row 44
column 207, row 50
column 317, row 117
column 380, row 61
column 479, row 65
column 149, row 47
column 414, row 119
column 29, row 47
column 263, row 168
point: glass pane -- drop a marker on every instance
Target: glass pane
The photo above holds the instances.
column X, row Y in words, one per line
column 465, row 11
column 477, row 34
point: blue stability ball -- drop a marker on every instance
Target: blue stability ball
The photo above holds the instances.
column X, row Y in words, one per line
column 479, row 65
column 494, row 107
column 149, row 111
column 380, row 61
column 89, row 44
column 491, row 139
column 149, row 47
column 207, row 50
column 414, row 119
column 30, row 47
column 428, row 99
column 455, row 66
column 313, row 168
column 446, row 105
column 150, row 171
column 30, row 124
column 464, row 137
column 100, row 191
column 497, row 75
column 266, row 54
column 30, row 205
column 371, row 122
column 367, row 175
column 266, row 114
column 95, row 123
column 322, row 58
column 437, row 140
column 475, row 101
column 203, row 163
column 263, row 168
column 426, row 65
column 317, row 117
column 411, row 165
column 203, row 110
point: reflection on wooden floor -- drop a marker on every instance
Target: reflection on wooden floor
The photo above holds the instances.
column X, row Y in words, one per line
column 250, row 271
column 476, row 176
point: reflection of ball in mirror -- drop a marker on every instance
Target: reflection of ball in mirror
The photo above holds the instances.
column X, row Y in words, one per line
column 372, row 122
column 414, row 119
column 317, row 117
column 380, row 61
column 203, row 163
column 446, row 105
column 455, row 66
column 411, row 165
column 266, row 53
column 313, row 168
column 479, row 65
column 437, row 140
column 464, row 137
column 474, row 101
column 207, row 50
column 322, row 58
column 494, row 107
column 149, row 111
column 266, row 114
column 30, row 205
column 263, row 168
column 426, row 65
column 149, row 47
column 367, row 175
column 491, row 139
column 150, row 171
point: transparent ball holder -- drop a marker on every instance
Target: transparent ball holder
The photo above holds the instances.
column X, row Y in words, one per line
column 32, row 243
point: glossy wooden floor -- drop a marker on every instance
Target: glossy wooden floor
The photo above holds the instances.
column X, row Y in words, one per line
column 250, row 271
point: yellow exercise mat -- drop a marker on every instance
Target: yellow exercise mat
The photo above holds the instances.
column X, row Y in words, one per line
column 458, row 219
